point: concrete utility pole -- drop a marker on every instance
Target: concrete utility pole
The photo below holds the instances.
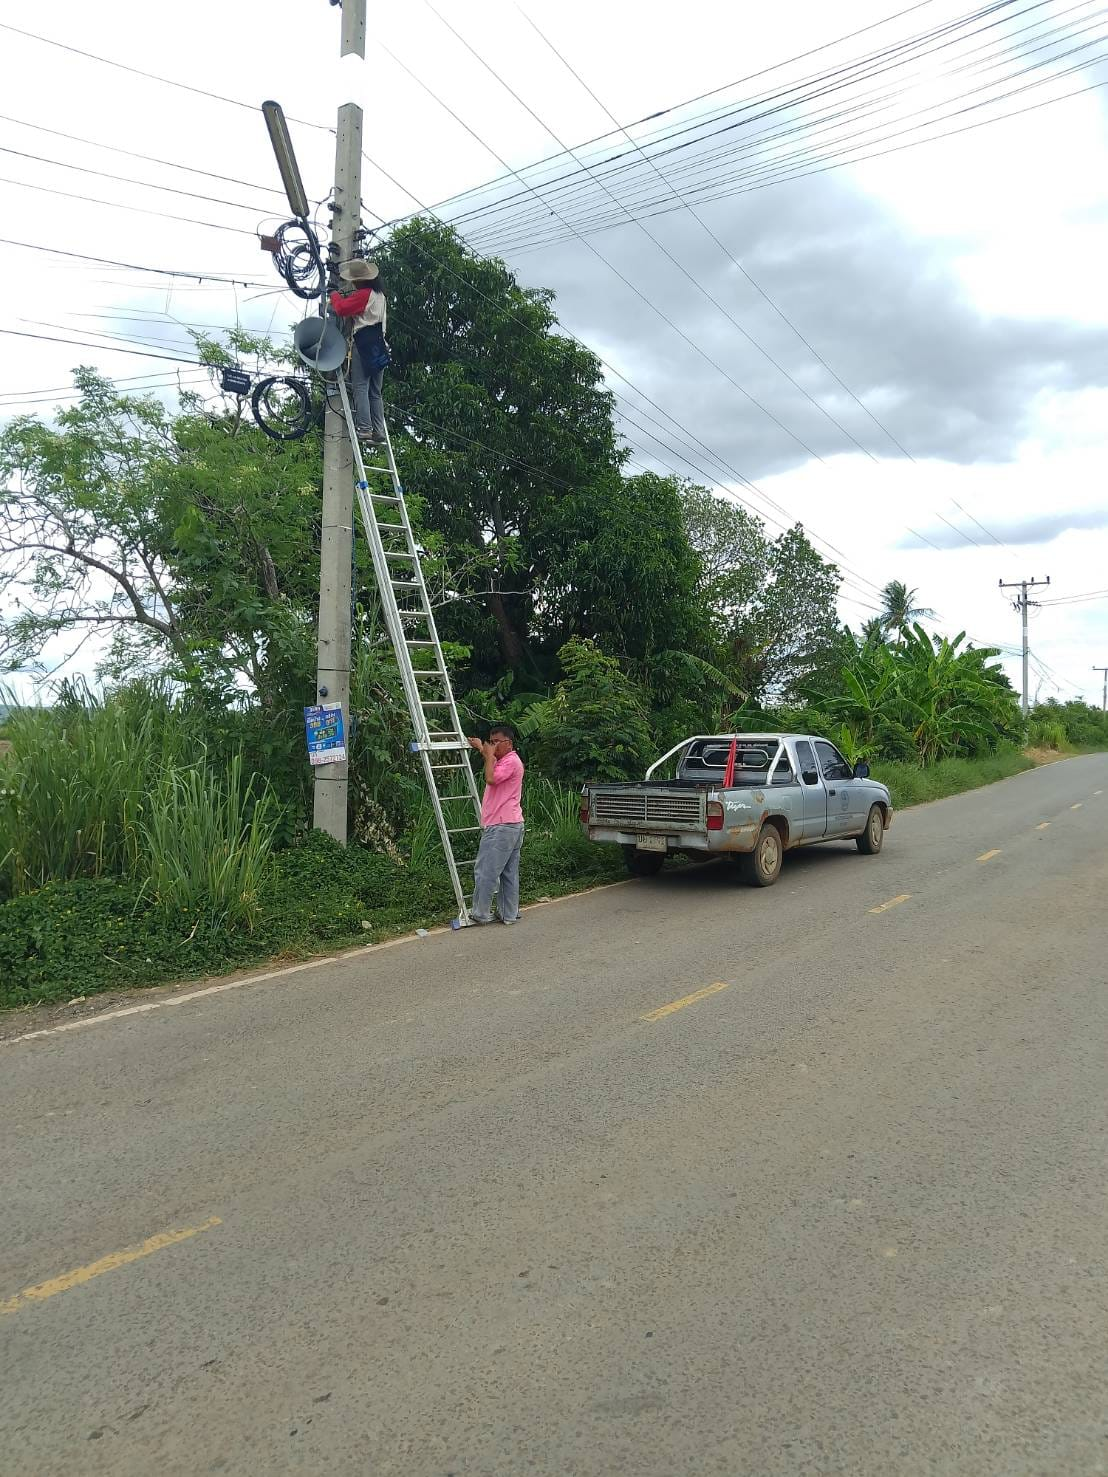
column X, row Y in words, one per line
column 333, row 663
column 1104, row 694
column 1021, row 603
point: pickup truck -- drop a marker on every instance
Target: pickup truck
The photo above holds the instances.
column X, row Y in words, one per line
column 752, row 796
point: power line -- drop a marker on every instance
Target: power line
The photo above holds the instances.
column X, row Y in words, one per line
column 689, row 102
column 151, row 76
column 729, row 255
column 128, row 180
column 899, row 148
column 132, row 154
column 595, row 251
column 134, row 209
column 699, row 162
column 105, row 261
column 818, row 84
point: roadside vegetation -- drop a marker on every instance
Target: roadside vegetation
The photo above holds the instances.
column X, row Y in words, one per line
column 157, row 826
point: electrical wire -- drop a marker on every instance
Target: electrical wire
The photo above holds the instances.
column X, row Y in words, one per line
column 818, row 84
column 700, row 161
column 722, row 246
column 653, row 306
column 187, row 220
column 689, row 102
column 105, row 261
column 76, row 138
column 129, row 180
column 151, row 76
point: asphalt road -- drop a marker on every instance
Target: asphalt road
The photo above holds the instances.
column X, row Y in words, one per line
column 476, row 1204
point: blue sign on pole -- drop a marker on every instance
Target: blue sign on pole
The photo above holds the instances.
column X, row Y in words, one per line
column 325, row 733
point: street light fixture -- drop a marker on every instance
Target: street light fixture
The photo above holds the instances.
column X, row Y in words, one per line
column 286, row 158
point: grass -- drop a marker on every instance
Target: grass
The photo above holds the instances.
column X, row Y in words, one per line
column 910, row 785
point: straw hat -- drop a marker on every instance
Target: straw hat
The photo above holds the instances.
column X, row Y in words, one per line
column 359, row 271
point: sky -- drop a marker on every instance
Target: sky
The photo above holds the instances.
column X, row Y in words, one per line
column 908, row 352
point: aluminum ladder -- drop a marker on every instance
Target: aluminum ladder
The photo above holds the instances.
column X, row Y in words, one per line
column 439, row 740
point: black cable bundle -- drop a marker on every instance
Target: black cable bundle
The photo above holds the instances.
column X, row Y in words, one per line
column 299, row 261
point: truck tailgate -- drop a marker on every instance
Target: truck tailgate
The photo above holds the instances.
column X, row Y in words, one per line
column 642, row 809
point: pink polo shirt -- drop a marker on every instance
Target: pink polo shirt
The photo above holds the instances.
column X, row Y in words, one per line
column 503, row 793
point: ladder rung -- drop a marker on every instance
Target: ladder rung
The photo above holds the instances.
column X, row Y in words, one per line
column 375, row 468
column 434, row 702
column 449, row 766
column 404, row 584
column 461, row 830
column 428, row 672
column 409, row 642
column 399, row 554
column 422, row 615
column 383, row 497
column 391, row 528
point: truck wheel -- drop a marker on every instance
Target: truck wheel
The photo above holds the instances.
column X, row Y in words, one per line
column 643, row 863
column 870, row 842
column 763, row 865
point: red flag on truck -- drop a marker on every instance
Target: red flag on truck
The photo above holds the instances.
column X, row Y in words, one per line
column 729, row 771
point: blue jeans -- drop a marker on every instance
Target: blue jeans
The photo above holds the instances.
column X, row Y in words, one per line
column 497, row 870
column 369, row 407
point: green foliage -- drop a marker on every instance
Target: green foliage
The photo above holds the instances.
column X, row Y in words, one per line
column 1046, row 733
column 206, row 842
column 76, row 780
column 767, row 605
column 899, row 611
column 596, row 726
column 924, row 698
column 1082, row 726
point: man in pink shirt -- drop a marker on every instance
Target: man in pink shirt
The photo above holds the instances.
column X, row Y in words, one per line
column 497, row 868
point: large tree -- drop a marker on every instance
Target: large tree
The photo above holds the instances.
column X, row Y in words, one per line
column 769, row 602
column 508, row 424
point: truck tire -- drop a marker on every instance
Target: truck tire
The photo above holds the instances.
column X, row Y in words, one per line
column 643, row 863
column 870, row 842
column 762, row 867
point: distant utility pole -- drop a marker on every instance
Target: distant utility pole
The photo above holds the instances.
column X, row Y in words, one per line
column 336, row 552
column 1021, row 603
column 1104, row 694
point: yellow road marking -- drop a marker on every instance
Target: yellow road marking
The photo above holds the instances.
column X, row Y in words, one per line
column 105, row 1264
column 1042, row 825
column 883, row 907
column 664, row 1010
column 1077, row 806
column 987, row 856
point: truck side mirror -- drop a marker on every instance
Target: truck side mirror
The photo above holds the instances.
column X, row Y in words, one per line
column 810, row 777
column 861, row 770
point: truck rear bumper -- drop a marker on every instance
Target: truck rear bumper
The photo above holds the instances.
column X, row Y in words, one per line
column 701, row 841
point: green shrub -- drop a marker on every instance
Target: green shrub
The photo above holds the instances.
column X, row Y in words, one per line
column 205, row 844
column 595, row 727
column 1046, row 733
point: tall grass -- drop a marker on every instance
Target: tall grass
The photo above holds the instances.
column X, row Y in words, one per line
column 122, row 786
column 206, row 842
column 72, row 788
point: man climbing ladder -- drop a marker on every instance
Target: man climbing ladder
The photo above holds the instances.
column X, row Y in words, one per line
column 368, row 307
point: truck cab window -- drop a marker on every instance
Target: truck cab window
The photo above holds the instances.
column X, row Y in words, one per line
column 832, row 763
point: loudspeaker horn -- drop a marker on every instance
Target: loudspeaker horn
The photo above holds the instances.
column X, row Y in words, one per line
column 320, row 344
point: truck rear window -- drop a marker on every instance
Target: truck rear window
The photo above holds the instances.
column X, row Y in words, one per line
column 752, row 762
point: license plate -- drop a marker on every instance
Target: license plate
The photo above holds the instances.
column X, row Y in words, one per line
column 650, row 843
